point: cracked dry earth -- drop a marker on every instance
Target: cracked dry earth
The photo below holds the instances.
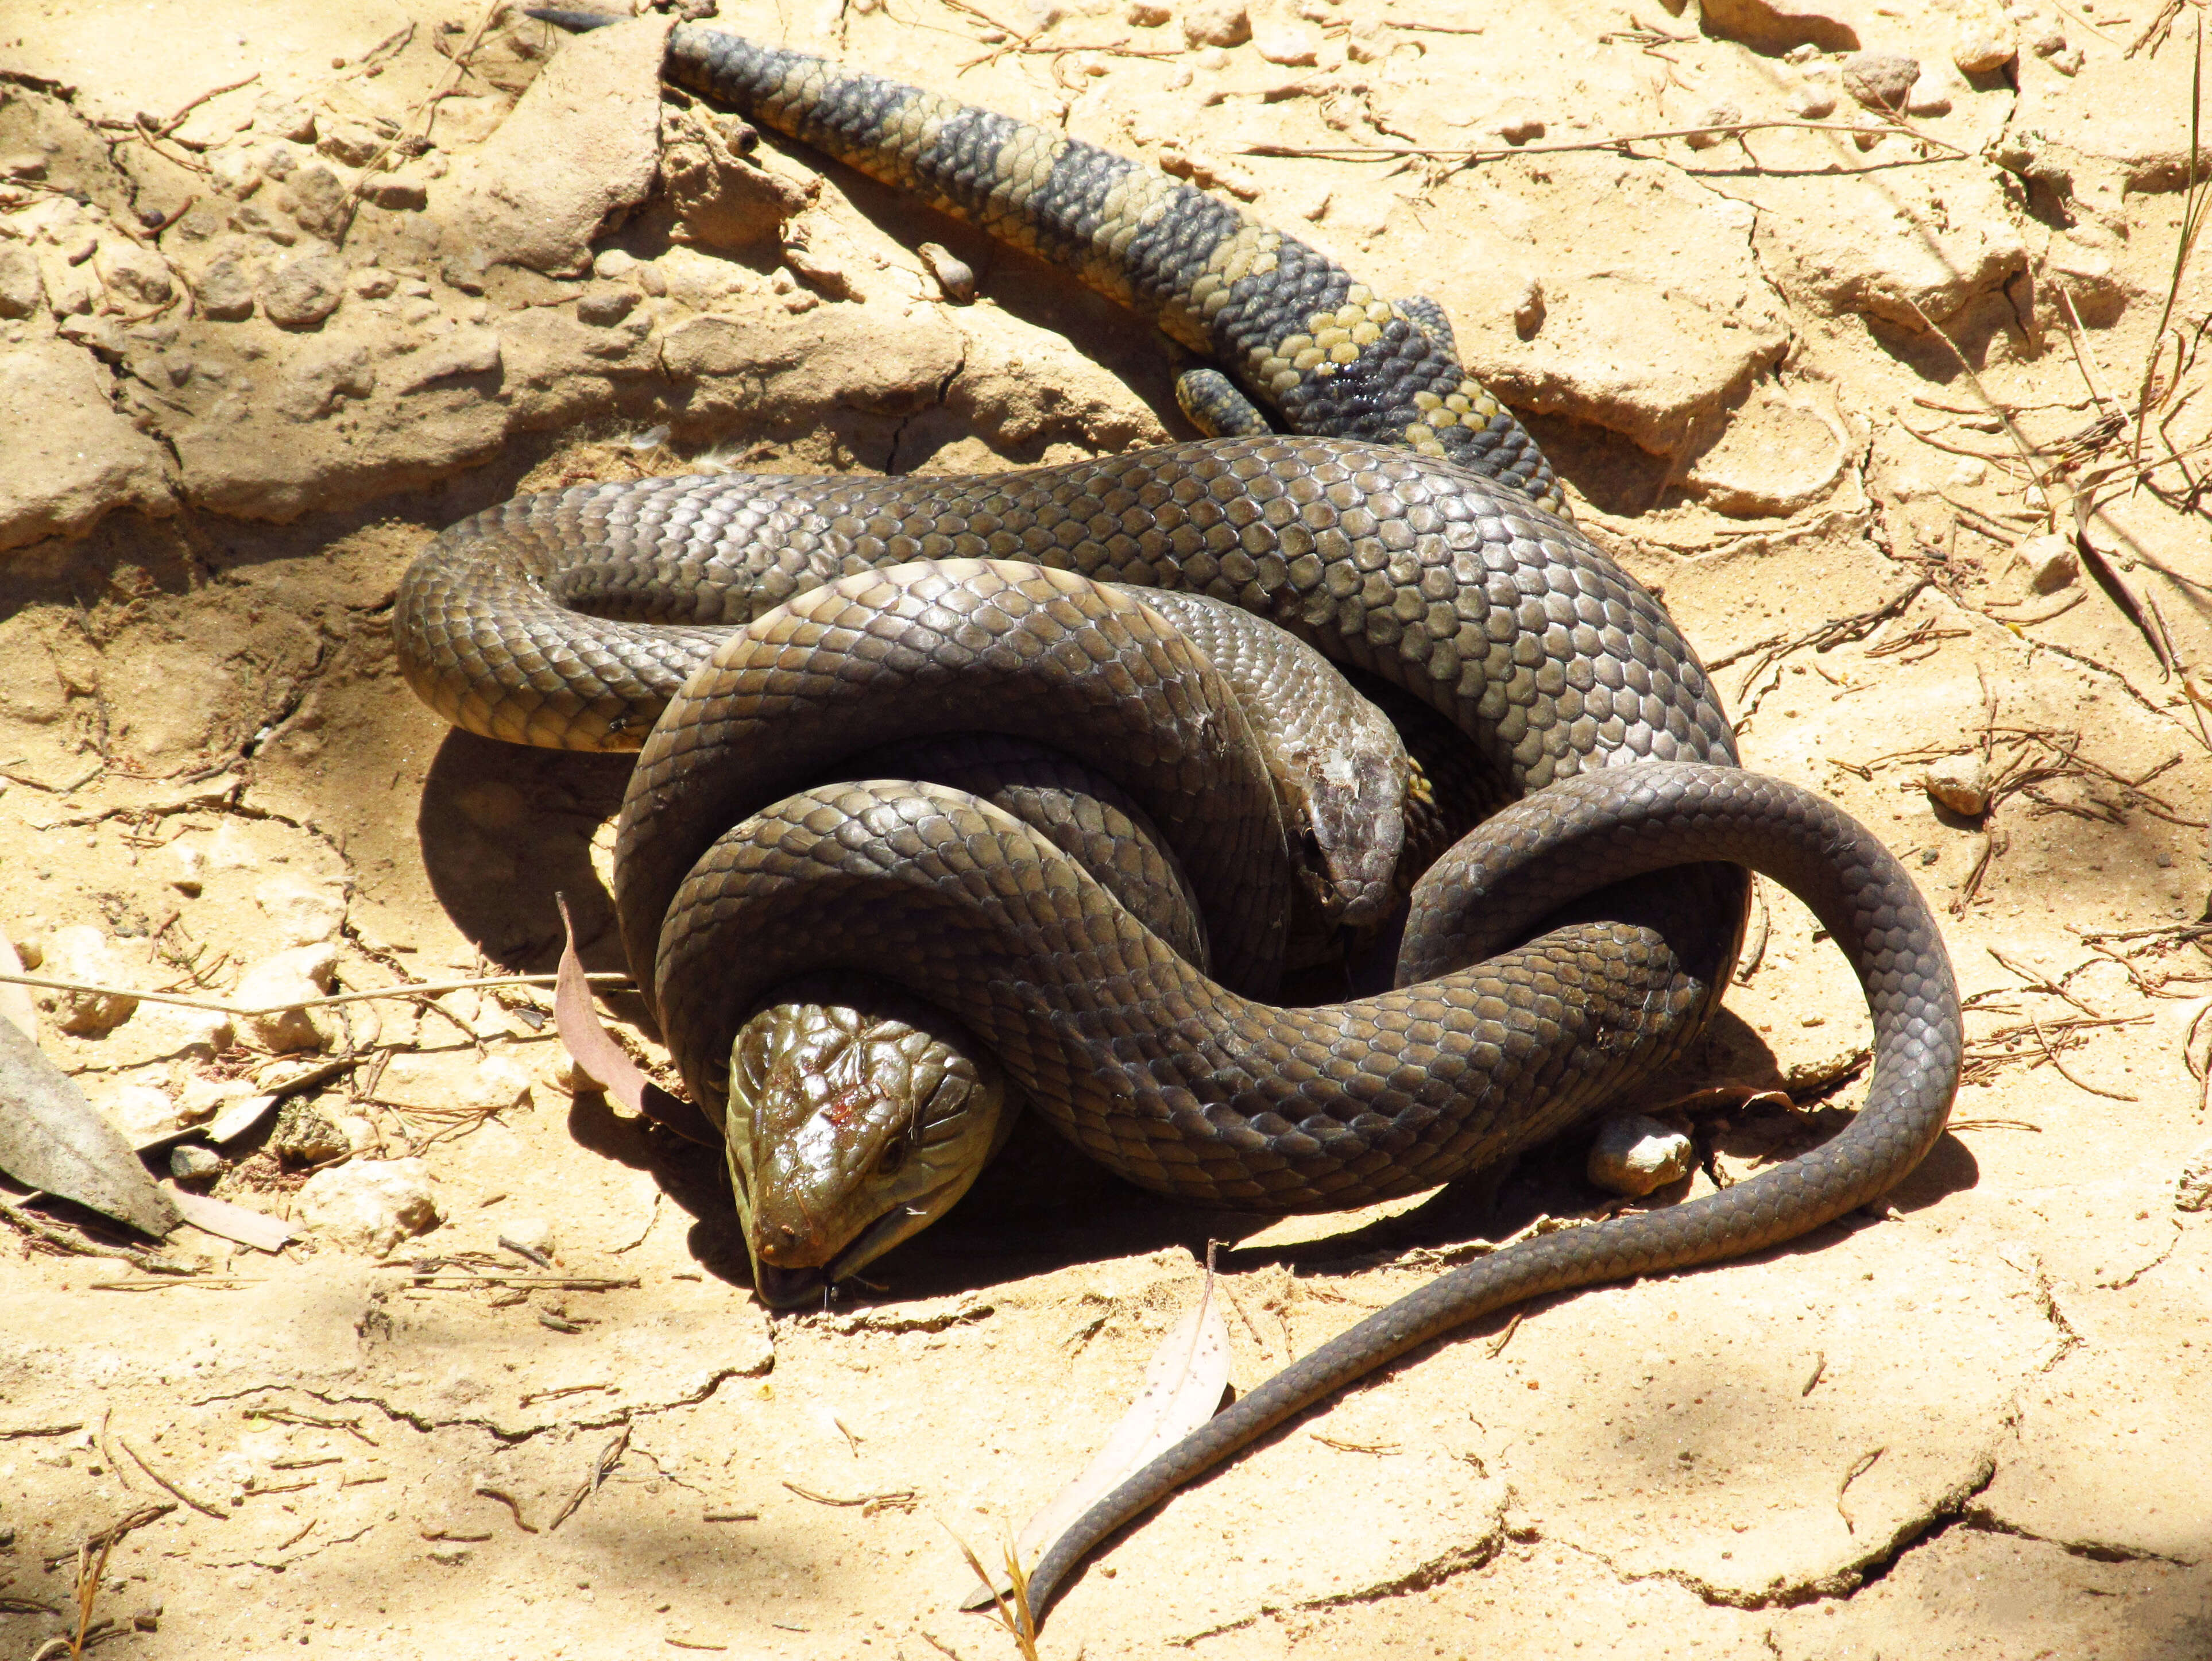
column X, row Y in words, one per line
column 285, row 288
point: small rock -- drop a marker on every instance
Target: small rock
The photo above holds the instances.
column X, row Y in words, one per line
column 1369, row 42
column 1292, row 44
column 369, row 1205
column 21, row 290
column 1930, row 96
column 174, row 1029
column 1813, row 101
column 1718, row 115
column 135, row 271
column 235, row 170
column 1217, row 23
column 303, row 913
column 1634, row 1154
column 278, row 116
column 225, row 290
column 471, row 352
column 613, row 263
column 102, row 335
column 1147, row 14
column 501, row 1084
column 25, row 164
column 1528, row 309
column 1880, row 79
column 2051, row 562
column 2048, row 44
column 1983, row 51
column 535, row 1233
column 143, row 1113
column 69, row 293
column 255, row 220
column 194, row 1166
column 1870, row 132
column 604, row 307
column 279, row 160
column 955, row 281
column 350, row 142
column 651, row 280
column 372, row 282
column 31, row 952
column 360, row 1131
column 398, row 192
column 304, row 1135
column 279, row 983
column 314, row 196
column 2192, row 1190
column 818, row 269
column 1519, row 123
column 2070, row 62
column 303, row 290
column 566, row 1074
column 199, row 1099
column 82, row 952
column 1960, row 783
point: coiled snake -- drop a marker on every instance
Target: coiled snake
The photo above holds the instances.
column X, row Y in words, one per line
column 577, row 613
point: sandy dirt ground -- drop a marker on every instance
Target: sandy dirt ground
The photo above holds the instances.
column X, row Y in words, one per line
column 285, row 288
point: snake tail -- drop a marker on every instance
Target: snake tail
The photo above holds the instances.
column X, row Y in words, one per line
column 1301, row 337
column 1645, row 817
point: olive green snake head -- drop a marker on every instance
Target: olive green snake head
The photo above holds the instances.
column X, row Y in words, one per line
column 857, row 1116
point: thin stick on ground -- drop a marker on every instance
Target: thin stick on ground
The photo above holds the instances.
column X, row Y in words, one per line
column 89, row 1569
column 2194, row 201
column 426, row 990
column 1471, row 158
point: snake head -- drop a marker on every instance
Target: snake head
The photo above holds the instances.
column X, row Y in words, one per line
column 857, row 1115
column 1354, row 828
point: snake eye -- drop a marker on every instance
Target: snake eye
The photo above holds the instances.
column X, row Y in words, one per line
column 892, row 1158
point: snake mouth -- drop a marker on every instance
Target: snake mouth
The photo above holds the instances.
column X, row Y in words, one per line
column 788, row 1286
column 907, row 1217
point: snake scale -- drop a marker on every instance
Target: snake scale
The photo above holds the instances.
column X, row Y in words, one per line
column 757, row 627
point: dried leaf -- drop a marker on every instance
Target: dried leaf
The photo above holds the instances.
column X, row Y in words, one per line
column 51, row 1138
column 240, row 1117
column 233, row 1222
column 600, row 1058
column 1183, row 1386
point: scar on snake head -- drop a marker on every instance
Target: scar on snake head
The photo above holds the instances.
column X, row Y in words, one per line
column 857, row 1115
column 1354, row 830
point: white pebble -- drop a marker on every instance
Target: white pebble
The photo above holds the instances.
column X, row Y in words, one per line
column 1983, row 51
column 1960, row 783
column 280, row 983
column 81, row 952
column 2051, row 562
column 370, row 1205
column 1635, row 1154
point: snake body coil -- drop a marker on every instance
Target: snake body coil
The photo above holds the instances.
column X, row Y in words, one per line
column 586, row 617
